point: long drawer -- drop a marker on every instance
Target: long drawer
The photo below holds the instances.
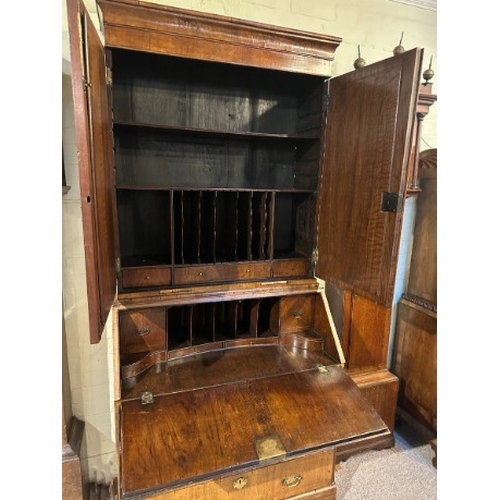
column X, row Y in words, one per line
column 311, row 473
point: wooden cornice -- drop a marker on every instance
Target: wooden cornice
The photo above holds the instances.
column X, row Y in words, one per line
column 148, row 27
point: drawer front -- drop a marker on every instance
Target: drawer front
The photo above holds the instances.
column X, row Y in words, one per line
column 296, row 314
column 290, row 268
column 221, row 272
column 284, row 480
column 146, row 277
column 142, row 330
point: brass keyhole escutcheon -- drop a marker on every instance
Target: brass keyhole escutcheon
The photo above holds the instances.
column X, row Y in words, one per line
column 291, row 481
column 240, row 483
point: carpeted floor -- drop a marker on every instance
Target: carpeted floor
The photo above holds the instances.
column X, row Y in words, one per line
column 403, row 472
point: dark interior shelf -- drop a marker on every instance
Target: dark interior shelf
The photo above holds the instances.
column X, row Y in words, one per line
column 198, row 132
column 133, row 187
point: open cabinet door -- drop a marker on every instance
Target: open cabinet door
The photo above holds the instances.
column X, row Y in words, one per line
column 367, row 141
column 95, row 162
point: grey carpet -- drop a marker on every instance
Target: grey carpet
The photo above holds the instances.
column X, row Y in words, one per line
column 403, row 472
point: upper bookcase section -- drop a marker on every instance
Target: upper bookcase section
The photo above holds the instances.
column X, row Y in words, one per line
column 148, row 27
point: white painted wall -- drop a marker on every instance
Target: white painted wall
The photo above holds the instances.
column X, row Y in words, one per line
column 375, row 25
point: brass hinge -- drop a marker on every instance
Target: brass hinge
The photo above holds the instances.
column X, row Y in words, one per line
column 86, row 84
column 109, row 76
column 147, row 398
column 314, row 256
column 118, row 264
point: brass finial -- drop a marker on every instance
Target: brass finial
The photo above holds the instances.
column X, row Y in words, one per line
column 428, row 73
column 359, row 62
column 399, row 49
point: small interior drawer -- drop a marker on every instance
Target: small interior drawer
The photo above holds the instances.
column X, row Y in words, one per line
column 142, row 330
column 290, row 268
column 296, row 314
column 145, row 277
column 222, row 272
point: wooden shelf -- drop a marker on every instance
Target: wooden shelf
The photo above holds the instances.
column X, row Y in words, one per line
column 236, row 134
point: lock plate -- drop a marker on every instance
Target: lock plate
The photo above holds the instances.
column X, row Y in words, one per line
column 391, row 202
column 269, row 447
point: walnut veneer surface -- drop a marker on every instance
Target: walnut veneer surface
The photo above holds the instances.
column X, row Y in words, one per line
column 201, row 431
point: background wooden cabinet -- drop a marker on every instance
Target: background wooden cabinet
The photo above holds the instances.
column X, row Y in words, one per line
column 415, row 350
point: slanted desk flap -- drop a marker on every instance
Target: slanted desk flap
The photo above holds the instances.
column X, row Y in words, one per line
column 197, row 433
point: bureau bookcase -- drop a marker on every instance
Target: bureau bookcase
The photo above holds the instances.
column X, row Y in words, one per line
column 229, row 183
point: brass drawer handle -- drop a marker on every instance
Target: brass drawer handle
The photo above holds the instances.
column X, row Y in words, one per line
column 240, row 483
column 142, row 331
column 292, row 481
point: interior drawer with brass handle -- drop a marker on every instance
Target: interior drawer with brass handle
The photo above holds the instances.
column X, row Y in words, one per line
column 146, row 277
column 142, row 330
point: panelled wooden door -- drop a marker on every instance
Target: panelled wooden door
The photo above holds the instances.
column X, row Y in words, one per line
column 371, row 112
column 93, row 126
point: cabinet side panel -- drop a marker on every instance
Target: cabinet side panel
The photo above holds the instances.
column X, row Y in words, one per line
column 368, row 334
